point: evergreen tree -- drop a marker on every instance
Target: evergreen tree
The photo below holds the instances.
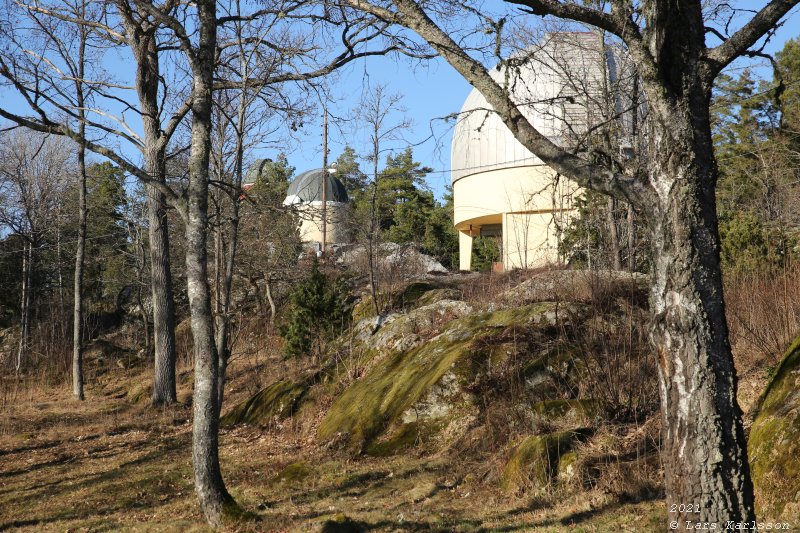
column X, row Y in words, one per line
column 587, row 240
column 402, row 182
column 441, row 239
column 406, row 211
column 756, row 193
column 788, row 60
column 349, row 172
column 317, row 313
column 485, row 251
column 108, row 265
column 272, row 182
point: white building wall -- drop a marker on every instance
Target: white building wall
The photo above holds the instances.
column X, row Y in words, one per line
column 310, row 215
column 498, row 181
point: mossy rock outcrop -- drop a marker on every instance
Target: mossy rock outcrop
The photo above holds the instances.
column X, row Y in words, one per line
column 415, row 294
column 396, row 328
column 579, row 286
column 537, row 460
column 774, row 443
column 408, row 296
column 572, row 410
column 277, row 401
column 562, row 366
column 294, row 473
column 429, row 381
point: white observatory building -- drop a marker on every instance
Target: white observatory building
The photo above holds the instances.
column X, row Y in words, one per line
column 305, row 195
column 501, row 189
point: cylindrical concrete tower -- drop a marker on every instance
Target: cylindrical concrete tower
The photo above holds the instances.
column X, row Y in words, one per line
column 500, row 188
column 305, row 194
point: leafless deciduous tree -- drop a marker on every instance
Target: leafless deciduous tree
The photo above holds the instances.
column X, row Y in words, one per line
column 34, row 174
column 375, row 113
column 64, row 83
column 64, row 53
column 141, row 34
column 704, row 451
column 307, row 28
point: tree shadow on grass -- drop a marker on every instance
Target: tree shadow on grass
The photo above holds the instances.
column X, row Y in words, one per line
column 567, row 522
column 121, row 487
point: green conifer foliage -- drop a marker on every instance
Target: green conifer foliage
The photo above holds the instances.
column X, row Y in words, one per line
column 316, row 314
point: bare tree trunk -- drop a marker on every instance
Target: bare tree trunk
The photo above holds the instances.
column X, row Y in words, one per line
column 704, row 447
column 164, row 388
column 373, row 242
column 223, row 347
column 61, row 309
column 631, row 239
column 271, row 300
column 77, row 318
column 214, row 498
column 135, row 232
column 143, row 45
column 224, row 300
column 25, row 303
column 611, row 222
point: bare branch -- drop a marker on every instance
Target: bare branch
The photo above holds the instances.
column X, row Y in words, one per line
column 53, row 128
column 738, row 43
column 579, row 13
column 583, row 172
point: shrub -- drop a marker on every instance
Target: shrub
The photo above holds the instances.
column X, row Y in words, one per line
column 317, row 313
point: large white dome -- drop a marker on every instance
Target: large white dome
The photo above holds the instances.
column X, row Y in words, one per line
column 556, row 85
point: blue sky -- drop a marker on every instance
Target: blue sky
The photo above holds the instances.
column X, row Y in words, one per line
column 430, row 91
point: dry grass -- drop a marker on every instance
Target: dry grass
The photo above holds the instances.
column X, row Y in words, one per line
column 763, row 311
column 108, row 465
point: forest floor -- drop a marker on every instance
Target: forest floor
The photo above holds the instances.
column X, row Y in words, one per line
column 107, row 464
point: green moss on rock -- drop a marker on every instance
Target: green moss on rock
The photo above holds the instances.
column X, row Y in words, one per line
column 414, row 294
column 294, row 472
column 279, row 400
column 560, row 359
column 774, row 443
column 363, row 309
column 437, row 295
column 403, row 378
column 566, row 467
column 408, row 296
column 405, row 437
column 372, row 403
column 535, row 462
column 583, row 409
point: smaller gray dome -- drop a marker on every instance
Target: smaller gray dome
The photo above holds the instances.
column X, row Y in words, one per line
column 307, row 188
column 256, row 171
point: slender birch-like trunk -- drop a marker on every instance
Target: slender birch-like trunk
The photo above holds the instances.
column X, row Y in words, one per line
column 214, row 498
column 80, row 251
